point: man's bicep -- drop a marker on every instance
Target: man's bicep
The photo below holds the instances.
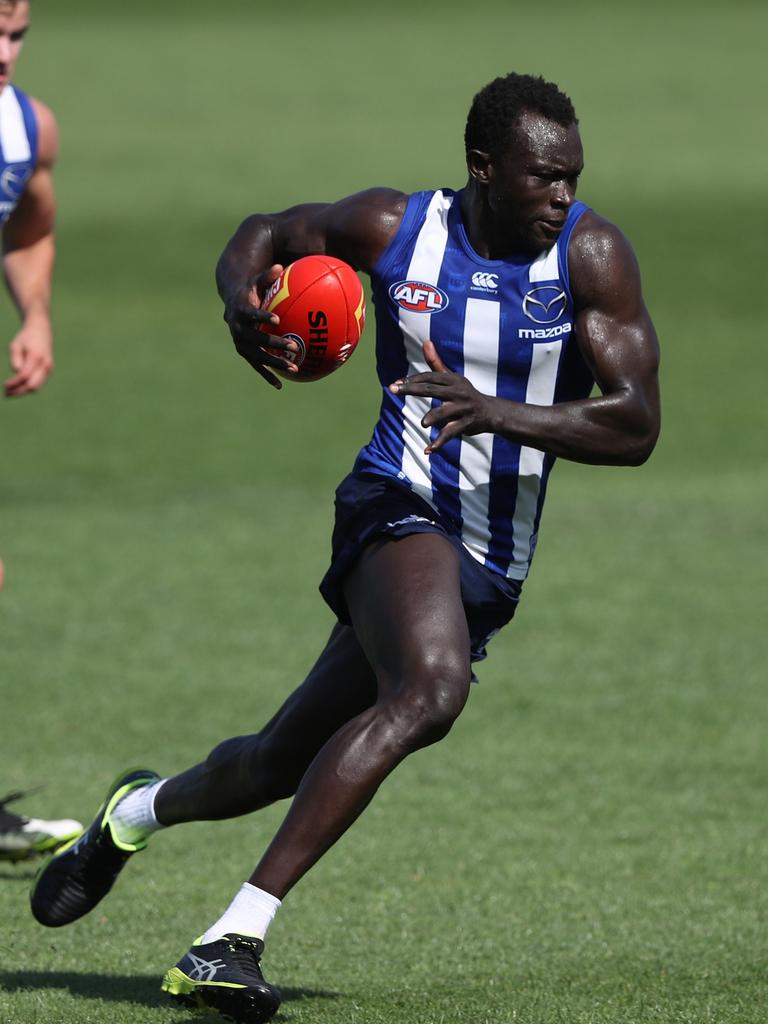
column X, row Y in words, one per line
column 620, row 352
column 356, row 229
column 613, row 326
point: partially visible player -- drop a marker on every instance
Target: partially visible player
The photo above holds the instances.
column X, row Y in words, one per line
column 28, row 149
column 498, row 308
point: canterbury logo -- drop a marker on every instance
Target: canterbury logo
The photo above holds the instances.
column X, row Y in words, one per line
column 203, row 970
column 490, row 282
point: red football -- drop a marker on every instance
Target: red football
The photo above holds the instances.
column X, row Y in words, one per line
column 321, row 305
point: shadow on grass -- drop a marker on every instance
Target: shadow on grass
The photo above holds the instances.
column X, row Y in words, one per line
column 117, row 988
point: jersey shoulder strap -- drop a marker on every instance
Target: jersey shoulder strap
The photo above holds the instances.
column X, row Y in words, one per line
column 18, row 127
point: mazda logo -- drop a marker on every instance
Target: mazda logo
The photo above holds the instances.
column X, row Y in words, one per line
column 545, row 303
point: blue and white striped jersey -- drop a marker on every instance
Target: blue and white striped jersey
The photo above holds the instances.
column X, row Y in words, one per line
column 506, row 325
column 18, row 147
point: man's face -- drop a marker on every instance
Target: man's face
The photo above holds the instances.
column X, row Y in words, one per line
column 531, row 187
column 14, row 22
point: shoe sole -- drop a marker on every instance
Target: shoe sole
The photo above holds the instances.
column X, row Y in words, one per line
column 235, row 1003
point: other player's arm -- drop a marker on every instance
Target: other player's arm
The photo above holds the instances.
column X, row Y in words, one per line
column 356, row 229
column 28, row 258
column 617, row 427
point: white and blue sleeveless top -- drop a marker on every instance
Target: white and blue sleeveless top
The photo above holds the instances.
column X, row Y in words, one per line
column 18, row 147
column 506, row 325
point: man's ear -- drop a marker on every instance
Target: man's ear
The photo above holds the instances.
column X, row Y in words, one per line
column 479, row 166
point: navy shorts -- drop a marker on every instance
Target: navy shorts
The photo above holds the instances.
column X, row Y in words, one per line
column 369, row 506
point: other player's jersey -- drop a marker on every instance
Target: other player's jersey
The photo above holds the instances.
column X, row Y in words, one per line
column 506, row 325
column 18, row 147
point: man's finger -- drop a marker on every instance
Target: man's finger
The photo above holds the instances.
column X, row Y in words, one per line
column 410, row 385
column 269, row 276
column 278, row 356
column 446, row 434
column 260, row 359
column 16, row 354
column 252, row 316
column 439, row 414
column 434, row 362
column 275, row 344
column 16, row 385
column 270, row 378
column 25, row 364
column 38, row 376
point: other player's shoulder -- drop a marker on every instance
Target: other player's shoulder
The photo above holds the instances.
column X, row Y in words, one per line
column 47, row 132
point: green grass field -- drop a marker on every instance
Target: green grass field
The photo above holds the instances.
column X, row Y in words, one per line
column 589, row 846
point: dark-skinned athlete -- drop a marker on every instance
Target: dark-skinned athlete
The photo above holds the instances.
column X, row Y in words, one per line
column 498, row 308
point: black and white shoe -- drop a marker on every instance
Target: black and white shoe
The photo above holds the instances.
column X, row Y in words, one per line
column 225, row 975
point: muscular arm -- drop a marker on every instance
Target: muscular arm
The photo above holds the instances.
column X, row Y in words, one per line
column 28, row 257
column 617, row 339
column 356, row 229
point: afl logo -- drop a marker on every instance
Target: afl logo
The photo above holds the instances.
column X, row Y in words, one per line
column 418, row 297
column 292, row 357
column 544, row 304
column 13, row 181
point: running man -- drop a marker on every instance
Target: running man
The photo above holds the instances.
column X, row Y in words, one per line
column 498, row 307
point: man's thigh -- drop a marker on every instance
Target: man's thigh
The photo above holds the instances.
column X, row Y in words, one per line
column 404, row 600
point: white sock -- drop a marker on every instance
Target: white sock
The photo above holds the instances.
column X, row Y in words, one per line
column 133, row 819
column 249, row 913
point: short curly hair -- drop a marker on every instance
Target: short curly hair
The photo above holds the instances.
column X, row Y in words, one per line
column 496, row 109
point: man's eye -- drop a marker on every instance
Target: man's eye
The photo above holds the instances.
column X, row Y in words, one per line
column 16, row 37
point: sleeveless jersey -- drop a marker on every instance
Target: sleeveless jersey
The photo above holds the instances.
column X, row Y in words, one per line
column 507, row 326
column 18, row 147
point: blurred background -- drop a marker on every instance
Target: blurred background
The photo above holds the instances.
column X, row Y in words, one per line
column 590, row 842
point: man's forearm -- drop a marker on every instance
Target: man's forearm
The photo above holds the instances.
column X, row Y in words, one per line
column 28, row 274
column 246, row 255
column 605, row 430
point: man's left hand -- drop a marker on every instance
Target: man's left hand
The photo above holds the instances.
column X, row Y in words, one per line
column 463, row 409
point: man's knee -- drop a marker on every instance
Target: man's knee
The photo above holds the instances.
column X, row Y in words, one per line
column 430, row 699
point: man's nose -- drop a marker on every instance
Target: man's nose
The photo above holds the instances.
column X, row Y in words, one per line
column 5, row 49
column 563, row 194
